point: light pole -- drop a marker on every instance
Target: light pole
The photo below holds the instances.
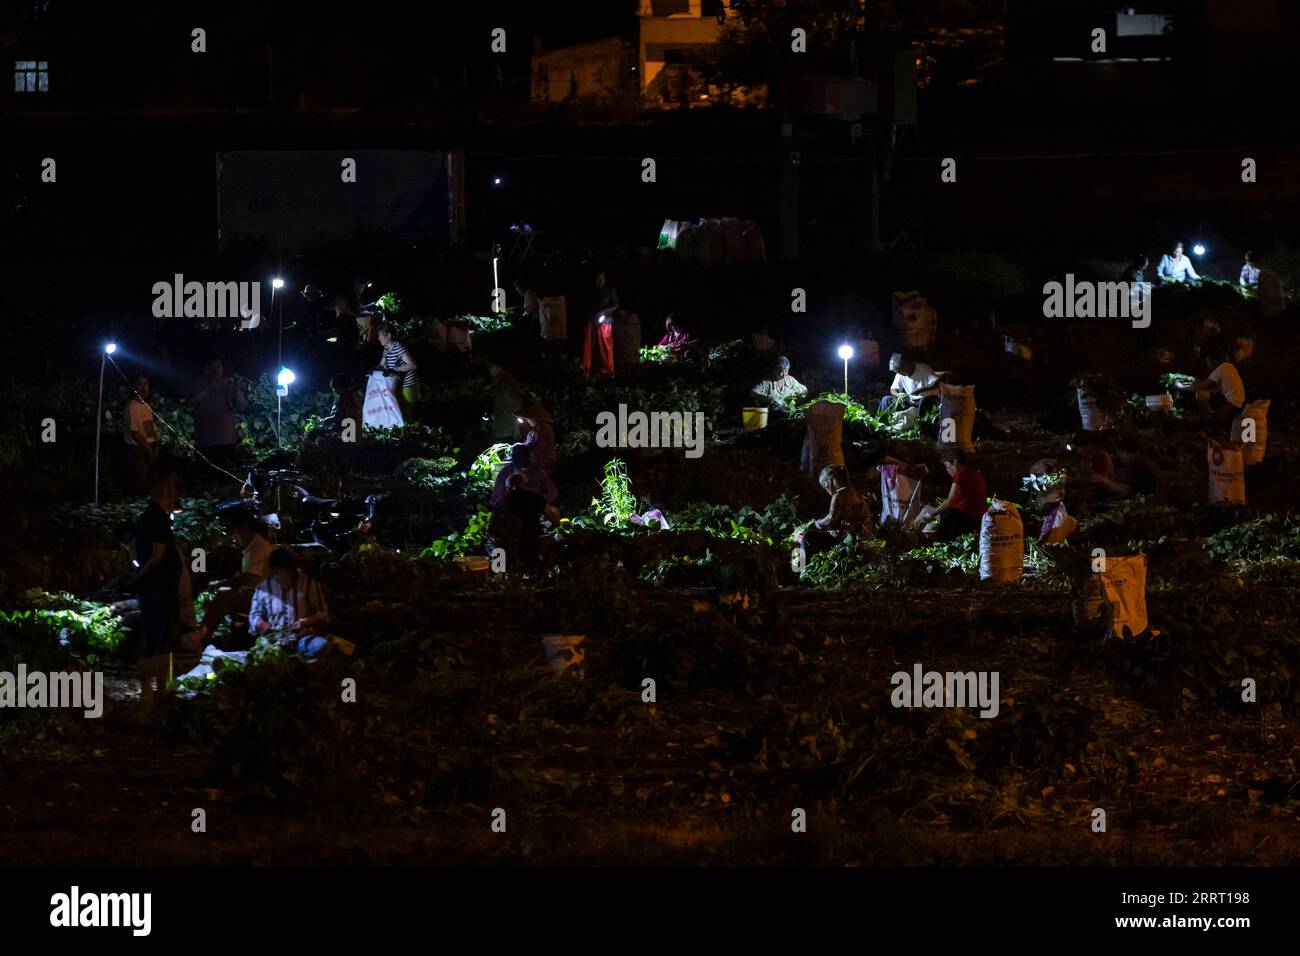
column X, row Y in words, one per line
column 282, row 382
column 496, row 284
column 109, row 349
column 846, row 353
column 276, row 285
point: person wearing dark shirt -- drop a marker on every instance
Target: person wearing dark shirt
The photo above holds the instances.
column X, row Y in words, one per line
column 158, row 575
column 347, row 405
column 1135, row 275
column 963, row 509
column 604, row 297
column 1142, row 476
column 533, row 475
column 516, row 525
column 217, row 401
column 1136, row 271
column 598, row 336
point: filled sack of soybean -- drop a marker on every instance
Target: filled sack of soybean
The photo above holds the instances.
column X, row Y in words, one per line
column 627, row 343
column 1057, row 526
column 1227, row 473
column 1091, row 416
column 1002, row 543
column 821, row 445
column 381, row 409
column 956, row 415
column 553, row 313
column 1117, row 592
column 1250, row 430
column 900, row 495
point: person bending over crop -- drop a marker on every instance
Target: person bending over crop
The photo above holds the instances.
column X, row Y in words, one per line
column 347, row 405
column 914, row 382
column 1222, row 392
column 534, row 478
column 1142, row 476
column 849, row 515
column 516, row 525
column 781, row 387
column 961, row 512
column 676, row 339
column 290, row 604
column 235, row 594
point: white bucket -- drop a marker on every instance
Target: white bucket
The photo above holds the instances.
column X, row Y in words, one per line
column 1164, row 402
column 562, row 651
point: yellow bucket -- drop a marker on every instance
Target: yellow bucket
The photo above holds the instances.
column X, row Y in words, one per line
column 754, row 418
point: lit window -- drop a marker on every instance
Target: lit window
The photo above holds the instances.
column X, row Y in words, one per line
column 31, row 76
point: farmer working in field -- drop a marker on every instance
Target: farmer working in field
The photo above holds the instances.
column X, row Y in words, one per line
column 516, row 525
column 347, row 405
column 507, row 397
column 1222, row 392
column 849, row 515
column 140, row 433
column 397, row 363
column 967, row 499
column 291, row 604
column 781, row 387
column 1176, row 267
column 157, row 583
column 676, row 339
column 235, row 594
column 1142, row 476
column 534, row 478
column 538, row 428
column 914, row 382
column 598, row 337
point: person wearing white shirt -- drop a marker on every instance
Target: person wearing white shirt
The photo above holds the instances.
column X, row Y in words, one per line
column 914, row 381
column 1249, row 272
column 235, row 595
column 1223, row 387
column 1176, row 267
column 781, row 387
column 291, row 606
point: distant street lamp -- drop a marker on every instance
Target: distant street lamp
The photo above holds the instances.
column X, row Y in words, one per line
column 109, row 349
column 846, row 353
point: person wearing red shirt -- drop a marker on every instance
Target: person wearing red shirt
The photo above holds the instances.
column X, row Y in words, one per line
column 963, row 509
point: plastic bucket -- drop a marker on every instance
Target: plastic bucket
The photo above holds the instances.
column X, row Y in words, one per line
column 562, row 651
column 1163, row 402
column 754, row 418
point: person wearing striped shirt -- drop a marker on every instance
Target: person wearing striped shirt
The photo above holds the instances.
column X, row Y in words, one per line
column 291, row 603
column 398, row 362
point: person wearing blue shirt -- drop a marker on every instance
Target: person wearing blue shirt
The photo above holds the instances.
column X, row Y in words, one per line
column 1175, row 266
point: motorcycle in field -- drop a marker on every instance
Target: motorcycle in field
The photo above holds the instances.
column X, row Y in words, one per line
column 297, row 518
